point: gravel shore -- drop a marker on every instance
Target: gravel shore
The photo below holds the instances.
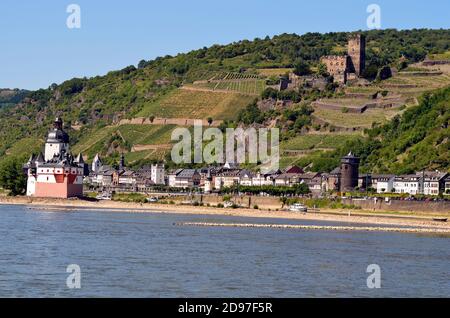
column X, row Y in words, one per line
column 356, row 217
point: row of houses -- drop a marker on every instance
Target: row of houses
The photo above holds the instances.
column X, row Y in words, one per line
column 123, row 178
column 227, row 176
column 211, row 179
column 426, row 182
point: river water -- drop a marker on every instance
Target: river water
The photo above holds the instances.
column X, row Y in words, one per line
column 147, row 255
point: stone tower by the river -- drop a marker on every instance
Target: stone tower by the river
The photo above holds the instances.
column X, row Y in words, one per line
column 349, row 172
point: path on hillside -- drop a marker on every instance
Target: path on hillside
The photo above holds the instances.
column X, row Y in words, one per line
column 137, row 148
column 215, row 90
column 168, row 121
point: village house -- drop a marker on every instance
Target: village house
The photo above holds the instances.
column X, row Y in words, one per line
column 144, row 179
column 287, row 179
column 383, row 183
column 123, row 178
column 103, row 178
column 447, row 185
column 331, row 181
column 289, row 176
column 207, row 174
column 433, row 182
column 293, row 169
column 364, row 181
column 267, row 179
column 246, row 178
column 127, row 178
column 227, row 178
column 184, row 178
column 313, row 180
column 410, row 183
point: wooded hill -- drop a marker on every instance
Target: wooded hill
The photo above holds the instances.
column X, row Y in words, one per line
column 418, row 139
column 88, row 104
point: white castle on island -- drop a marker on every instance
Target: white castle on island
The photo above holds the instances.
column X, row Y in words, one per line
column 56, row 173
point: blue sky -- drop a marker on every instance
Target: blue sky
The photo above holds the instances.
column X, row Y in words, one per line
column 38, row 49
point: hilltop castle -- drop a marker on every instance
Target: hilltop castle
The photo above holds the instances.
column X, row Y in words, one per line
column 351, row 65
column 56, row 173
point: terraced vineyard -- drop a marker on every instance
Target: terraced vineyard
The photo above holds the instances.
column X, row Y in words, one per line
column 248, row 84
column 132, row 134
column 186, row 103
column 317, row 141
column 274, row 71
column 442, row 56
column 357, row 121
column 157, row 155
column 26, row 146
column 226, row 76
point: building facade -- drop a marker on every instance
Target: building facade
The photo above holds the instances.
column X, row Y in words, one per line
column 55, row 174
column 410, row 183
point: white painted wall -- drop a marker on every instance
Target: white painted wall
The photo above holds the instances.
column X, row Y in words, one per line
column 52, row 149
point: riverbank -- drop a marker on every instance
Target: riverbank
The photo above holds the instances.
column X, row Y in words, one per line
column 356, row 217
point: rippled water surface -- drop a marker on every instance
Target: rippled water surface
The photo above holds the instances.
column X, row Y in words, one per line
column 146, row 255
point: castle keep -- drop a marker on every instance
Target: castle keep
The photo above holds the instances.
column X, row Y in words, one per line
column 351, row 65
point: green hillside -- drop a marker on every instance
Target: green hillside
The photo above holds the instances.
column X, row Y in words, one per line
column 217, row 82
column 123, row 138
column 418, row 139
column 11, row 97
column 185, row 103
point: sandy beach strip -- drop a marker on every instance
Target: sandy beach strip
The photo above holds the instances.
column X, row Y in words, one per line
column 359, row 217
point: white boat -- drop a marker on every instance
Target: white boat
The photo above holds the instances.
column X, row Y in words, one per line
column 228, row 204
column 297, row 207
column 152, row 199
column 103, row 196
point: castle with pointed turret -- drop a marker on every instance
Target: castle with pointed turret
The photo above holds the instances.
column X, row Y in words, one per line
column 56, row 173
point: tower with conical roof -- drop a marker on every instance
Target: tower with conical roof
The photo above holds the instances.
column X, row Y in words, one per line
column 349, row 172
